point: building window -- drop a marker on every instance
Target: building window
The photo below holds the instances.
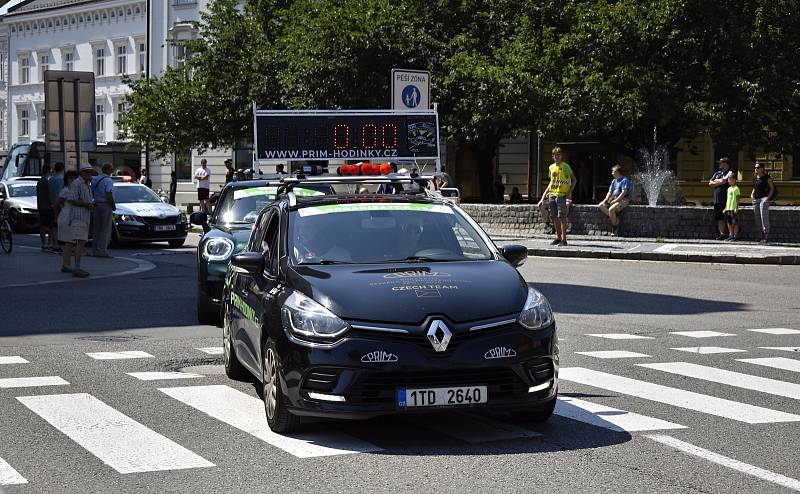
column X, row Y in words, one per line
column 142, row 57
column 2, row 68
column 183, row 165
column 69, row 60
column 100, row 61
column 122, row 59
column 180, row 54
column 42, row 124
column 24, row 123
column 100, row 121
column 44, row 64
column 24, row 70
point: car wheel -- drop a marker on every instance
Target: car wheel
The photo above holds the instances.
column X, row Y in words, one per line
column 279, row 418
column 14, row 221
column 177, row 242
column 538, row 415
column 207, row 312
column 233, row 368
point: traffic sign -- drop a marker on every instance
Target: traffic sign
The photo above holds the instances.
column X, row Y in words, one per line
column 411, row 89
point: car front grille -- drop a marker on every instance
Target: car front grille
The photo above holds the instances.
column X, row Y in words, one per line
column 422, row 342
column 168, row 220
column 323, row 380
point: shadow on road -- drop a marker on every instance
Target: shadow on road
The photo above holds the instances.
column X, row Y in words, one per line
column 576, row 299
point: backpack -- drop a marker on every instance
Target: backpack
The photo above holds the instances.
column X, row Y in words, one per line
column 774, row 196
column 148, row 182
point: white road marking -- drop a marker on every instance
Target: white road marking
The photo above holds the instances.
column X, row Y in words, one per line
column 31, row 382
column 12, row 359
column 141, row 267
column 666, row 248
column 711, row 405
column 776, row 331
column 119, row 355
column 775, row 362
column 704, row 350
column 735, row 379
column 246, row 413
column 782, row 348
column 609, row 418
column 9, row 476
column 155, row 376
column 701, row 334
column 211, row 350
column 719, row 459
column 613, row 354
column 620, row 336
column 116, row 439
column 474, row 429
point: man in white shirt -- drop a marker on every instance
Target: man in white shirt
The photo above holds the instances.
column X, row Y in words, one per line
column 203, row 177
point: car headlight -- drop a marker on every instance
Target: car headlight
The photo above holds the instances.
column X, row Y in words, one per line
column 218, row 249
column 183, row 218
column 536, row 314
column 27, row 210
column 129, row 218
column 305, row 317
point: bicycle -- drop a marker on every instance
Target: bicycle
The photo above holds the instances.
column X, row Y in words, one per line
column 6, row 241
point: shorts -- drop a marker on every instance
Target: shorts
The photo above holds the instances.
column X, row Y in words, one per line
column 47, row 218
column 557, row 206
column 202, row 194
column 719, row 214
column 732, row 218
column 73, row 231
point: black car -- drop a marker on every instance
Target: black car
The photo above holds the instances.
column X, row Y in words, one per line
column 357, row 305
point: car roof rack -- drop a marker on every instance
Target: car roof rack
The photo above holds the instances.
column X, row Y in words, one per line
column 287, row 184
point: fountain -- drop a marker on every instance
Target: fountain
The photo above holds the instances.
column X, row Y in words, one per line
column 653, row 174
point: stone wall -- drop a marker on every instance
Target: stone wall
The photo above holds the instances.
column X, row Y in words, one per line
column 671, row 222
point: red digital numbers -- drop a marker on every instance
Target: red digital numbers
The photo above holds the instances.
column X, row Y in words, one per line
column 389, row 130
column 370, row 136
column 341, row 136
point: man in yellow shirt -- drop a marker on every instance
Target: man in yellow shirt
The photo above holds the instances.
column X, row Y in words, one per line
column 562, row 183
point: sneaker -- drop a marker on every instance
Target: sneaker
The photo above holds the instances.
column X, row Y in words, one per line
column 556, row 241
column 79, row 273
column 722, row 237
column 732, row 239
column 563, row 243
column 66, row 269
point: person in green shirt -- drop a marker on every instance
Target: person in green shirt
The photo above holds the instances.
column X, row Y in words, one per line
column 732, row 207
column 562, row 183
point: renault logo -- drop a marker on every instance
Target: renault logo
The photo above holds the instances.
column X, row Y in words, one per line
column 439, row 335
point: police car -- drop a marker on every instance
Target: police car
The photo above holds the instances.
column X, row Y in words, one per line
column 353, row 305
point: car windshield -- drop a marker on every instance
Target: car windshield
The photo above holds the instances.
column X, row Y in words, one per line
column 27, row 189
column 134, row 193
column 243, row 205
column 383, row 232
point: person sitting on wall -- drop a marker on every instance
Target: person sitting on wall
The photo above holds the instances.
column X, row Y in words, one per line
column 516, row 197
column 617, row 198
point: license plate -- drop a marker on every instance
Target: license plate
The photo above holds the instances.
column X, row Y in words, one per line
column 441, row 397
column 164, row 228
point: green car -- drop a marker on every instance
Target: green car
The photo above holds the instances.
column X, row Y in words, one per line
column 227, row 232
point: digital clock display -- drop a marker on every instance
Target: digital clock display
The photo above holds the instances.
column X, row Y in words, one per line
column 342, row 135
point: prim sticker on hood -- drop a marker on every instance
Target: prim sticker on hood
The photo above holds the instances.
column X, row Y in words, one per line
column 271, row 191
column 354, row 208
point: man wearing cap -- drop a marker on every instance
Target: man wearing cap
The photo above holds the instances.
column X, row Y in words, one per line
column 719, row 183
column 203, row 177
column 78, row 208
column 102, row 215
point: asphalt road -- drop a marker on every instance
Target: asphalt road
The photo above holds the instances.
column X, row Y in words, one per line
column 654, row 437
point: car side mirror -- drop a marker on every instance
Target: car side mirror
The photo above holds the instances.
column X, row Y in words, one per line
column 200, row 218
column 515, row 254
column 250, row 262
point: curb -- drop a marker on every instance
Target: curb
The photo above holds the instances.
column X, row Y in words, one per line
column 781, row 260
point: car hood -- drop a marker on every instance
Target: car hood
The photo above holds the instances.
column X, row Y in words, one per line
column 22, row 202
column 147, row 209
column 407, row 294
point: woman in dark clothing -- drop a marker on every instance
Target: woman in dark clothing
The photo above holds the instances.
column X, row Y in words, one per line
column 762, row 192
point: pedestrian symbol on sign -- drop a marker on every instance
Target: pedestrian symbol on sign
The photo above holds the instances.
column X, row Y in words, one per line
column 411, row 96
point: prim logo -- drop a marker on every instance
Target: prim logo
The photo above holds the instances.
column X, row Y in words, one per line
column 416, row 274
column 500, row 352
column 379, row 356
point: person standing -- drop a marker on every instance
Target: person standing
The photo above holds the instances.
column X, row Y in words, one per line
column 562, row 184
column 203, row 177
column 144, row 179
column 77, row 214
column 102, row 214
column 44, row 205
column 617, row 198
column 229, row 170
column 499, row 190
column 62, row 216
column 763, row 190
column 280, row 169
column 719, row 183
column 732, row 207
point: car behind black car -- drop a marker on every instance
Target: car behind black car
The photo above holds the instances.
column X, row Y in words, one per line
column 356, row 305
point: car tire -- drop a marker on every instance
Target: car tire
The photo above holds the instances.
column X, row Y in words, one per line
column 279, row 418
column 233, row 368
column 14, row 221
column 539, row 414
column 176, row 243
column 207, row 312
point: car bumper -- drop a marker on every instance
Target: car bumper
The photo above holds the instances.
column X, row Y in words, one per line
column 27, row 220
column 523, row 376
column 148, row 233
column 212, row 281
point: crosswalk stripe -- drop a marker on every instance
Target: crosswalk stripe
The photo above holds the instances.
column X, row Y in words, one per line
column 735, row 379
column 156, row 376
column 609, row 418
column 246, row 413
column 606, row 354
column 12, row 359
column 701, row 334
column 31, row 382
column 705, row 350
column 116, row 439
column 776, row 331
column 211, row 350
column 620, row 336
column 9, row 476
column 782, row 348
column 474, row 429
column 782, row 363
column 712, row 405
column 119, row 355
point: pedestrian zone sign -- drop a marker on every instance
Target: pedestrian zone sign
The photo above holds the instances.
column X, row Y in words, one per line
column 411, row 89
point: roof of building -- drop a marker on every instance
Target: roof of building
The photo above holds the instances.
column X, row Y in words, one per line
column 5, row 5
column 26, row 6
